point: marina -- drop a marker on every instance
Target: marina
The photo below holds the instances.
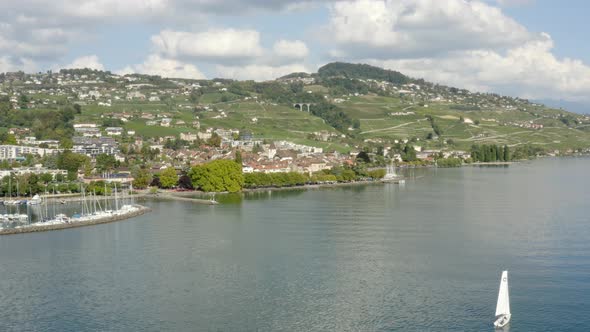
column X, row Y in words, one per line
column 40, row 214
column 63, row 222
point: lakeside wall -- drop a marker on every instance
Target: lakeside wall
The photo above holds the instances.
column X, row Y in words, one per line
column 41, row 228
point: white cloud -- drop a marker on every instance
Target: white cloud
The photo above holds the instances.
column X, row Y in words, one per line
column 169, row 68
column 388, row 28
column 530, row 71
column 211, row 44
column 34, row 43
column 90, row 62
column 259, row 72
column 468, row 44
column 229, row 48
column 8, row 63
column 112, row 8
column 293, row 49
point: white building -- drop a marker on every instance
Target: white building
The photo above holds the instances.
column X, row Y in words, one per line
column 114, row 131
column 189, row 137
column 85, row 125
column 37, row 170
column 204, row 136
column 13, row 152
column 166, row 122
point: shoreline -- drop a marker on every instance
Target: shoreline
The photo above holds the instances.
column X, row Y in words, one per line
column 188, row 195
column 47, row 228
column 327, row 185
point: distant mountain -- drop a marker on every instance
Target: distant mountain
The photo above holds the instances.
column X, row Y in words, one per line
column 576, row 107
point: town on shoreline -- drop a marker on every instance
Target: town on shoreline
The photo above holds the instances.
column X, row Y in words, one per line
column 93, row 133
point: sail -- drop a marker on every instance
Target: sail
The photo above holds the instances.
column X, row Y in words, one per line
column 503, row 306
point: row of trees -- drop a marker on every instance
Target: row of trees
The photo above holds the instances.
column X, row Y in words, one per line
column 31, row 184
column 449, row 162
column 262, row 180
column 227, row 176
column 167, row 179
column 291, row 179
column 490, row 153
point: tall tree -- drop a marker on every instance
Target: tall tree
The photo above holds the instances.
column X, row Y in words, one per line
column 409, row 153
column 72, row 162
column 493, row 149
column 238, row 157
column 142, row 178
column 499, row 153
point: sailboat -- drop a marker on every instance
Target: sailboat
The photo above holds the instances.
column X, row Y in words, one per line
column 503, row 306
column 36, row 200
column 390, row 173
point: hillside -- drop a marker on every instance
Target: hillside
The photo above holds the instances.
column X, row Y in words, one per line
column 349, row 105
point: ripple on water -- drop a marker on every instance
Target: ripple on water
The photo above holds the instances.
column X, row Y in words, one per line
column 421, row 257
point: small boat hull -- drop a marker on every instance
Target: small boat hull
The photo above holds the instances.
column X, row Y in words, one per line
column 502, row 321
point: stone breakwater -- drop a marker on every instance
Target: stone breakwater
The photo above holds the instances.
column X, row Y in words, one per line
column 140, row 210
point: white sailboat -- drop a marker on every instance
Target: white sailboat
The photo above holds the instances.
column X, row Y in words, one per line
column 390, row 173
column 503, row 306
column 36, row 200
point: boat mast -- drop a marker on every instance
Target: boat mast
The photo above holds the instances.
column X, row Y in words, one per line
column 97, row 201
column 105, row 197
column 54, row 200
column 82, row 198
column 116, row 199
column 46, row 207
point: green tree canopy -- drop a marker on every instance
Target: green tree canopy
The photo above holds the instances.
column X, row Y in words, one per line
column 105, row 162
column 169, row 178
column 238, row 157
column 72, row 162
column 409, row 154
column 142, row 178
column 8, row 139
column 218, row 176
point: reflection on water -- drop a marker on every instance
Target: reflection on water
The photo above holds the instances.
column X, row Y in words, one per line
column 420, row 257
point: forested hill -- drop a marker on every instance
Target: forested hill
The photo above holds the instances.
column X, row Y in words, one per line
column 362, row 71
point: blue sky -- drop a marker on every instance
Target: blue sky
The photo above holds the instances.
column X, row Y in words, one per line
column 530, row 48
column 567, row 22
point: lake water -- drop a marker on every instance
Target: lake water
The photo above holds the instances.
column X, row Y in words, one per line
column 425, row 256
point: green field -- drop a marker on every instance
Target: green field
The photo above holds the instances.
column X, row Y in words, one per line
column 276, row 122
column 376, row 120
column 366, row 103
